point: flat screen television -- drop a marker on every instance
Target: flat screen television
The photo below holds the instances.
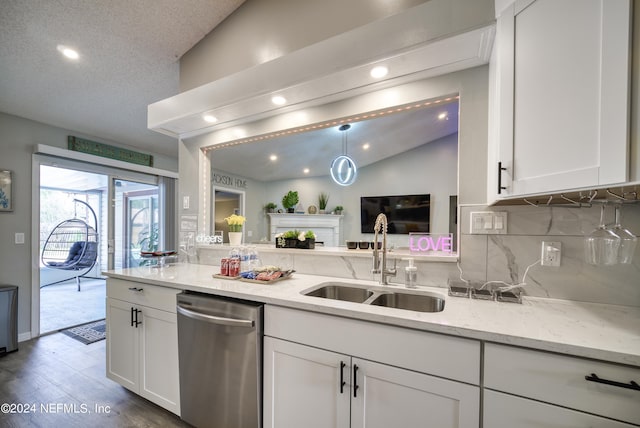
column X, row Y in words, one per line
column 405, row 213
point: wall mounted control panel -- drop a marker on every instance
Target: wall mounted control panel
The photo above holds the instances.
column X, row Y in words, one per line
column 489, row 222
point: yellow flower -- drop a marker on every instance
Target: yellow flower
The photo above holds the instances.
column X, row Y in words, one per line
column 235, row 222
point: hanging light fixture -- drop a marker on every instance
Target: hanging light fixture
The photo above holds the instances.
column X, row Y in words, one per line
column 343, row 168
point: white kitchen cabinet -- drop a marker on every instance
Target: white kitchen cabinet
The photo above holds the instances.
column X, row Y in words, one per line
column 302, row 386
column 504, row 410
column 586, row 386
column 305, row 385
column 142, row 341
column 559, row 97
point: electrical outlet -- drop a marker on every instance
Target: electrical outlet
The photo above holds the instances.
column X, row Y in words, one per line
column 551, row 253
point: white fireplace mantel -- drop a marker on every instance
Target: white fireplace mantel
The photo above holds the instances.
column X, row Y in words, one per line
column 325, row 226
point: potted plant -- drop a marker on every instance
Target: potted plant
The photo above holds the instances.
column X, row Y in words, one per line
column 290, row 200
column 270, row 207
column 288, row 239
column 235, row 223
column 307, row 240
column 323, row 198
column 338, row 210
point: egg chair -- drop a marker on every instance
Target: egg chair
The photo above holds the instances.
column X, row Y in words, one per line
column 72, row 246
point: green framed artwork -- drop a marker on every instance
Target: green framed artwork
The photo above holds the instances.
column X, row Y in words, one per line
column 6, row 193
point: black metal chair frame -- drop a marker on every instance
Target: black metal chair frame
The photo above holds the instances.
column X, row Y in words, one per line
column 72, row 245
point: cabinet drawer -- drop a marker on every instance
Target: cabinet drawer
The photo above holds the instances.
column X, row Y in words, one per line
column 445, row 356
column 154, row 296
column 503, row 410
column 560, row 379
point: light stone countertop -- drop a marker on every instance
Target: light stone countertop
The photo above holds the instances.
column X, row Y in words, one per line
column 604, row 332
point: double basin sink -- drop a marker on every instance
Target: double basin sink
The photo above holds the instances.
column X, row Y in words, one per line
column 377, row 296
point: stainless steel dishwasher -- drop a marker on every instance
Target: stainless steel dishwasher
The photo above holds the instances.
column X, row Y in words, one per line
column 220, row 360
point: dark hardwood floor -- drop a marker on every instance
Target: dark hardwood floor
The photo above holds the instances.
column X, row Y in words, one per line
column 56, row 381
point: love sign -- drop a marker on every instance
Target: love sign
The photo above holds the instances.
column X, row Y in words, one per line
column 426, row 242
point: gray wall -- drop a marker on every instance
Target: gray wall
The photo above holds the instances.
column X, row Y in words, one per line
column 17, row 141
column 262, row 30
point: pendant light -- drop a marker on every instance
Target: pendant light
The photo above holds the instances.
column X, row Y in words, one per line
column 343, row 169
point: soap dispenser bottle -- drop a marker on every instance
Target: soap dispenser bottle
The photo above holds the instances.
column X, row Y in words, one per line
column 410, row 274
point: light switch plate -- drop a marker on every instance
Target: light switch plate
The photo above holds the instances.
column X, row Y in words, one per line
column 488, row 222
column 19, row 238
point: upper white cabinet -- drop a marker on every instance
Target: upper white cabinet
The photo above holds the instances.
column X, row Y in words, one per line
column 559, row 97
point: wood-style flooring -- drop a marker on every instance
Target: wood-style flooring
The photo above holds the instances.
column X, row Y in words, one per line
column 56, row 381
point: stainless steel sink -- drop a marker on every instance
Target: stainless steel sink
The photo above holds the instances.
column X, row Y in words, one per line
column 377, row 296
column 341, row 291
column 410, row 301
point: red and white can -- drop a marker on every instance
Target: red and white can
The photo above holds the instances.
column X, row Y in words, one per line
column 234, row 267
column 224, row 267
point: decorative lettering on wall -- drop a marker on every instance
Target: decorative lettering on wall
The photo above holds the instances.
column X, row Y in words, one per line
column 227, row 180
column 427, row 242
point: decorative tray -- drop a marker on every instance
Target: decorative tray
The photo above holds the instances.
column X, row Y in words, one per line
column 215, row 275
column 157, row 253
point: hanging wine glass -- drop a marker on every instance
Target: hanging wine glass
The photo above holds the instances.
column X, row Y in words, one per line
column 628, row 240
column 602, row 245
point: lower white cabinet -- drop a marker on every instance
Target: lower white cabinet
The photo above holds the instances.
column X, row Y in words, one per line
column 504, row 410
column 142, row 347
column 306, row 386
column 576, row 390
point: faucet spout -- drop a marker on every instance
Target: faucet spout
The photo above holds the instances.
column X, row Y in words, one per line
column 380, row 261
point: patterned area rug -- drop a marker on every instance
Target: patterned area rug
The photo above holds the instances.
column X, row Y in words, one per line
column 88, row 333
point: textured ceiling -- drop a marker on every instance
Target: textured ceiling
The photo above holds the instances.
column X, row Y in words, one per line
column 129, row 52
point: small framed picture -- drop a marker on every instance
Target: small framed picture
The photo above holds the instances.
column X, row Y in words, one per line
column 6, row 191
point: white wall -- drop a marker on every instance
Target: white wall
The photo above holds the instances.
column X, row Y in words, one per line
column 17, row 141
column 430, row 168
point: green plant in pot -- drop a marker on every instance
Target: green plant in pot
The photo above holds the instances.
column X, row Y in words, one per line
column 323, row 198
column 290, row 200
column 270, row 207
column 338, row 210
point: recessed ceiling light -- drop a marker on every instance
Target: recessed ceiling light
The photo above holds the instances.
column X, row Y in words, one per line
column 209, row 118
column 442, row 116
column 306, row 170
column 365, row 146
column 379, row 71
column 68, row 52
column 273, row 157
column 278, row 100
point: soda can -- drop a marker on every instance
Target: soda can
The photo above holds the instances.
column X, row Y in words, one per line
column 234, row 267
column 224, row 267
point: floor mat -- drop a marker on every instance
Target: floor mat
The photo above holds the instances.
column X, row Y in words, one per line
column 88, row 333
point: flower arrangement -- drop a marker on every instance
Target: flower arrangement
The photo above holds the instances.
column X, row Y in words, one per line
column 235, row 222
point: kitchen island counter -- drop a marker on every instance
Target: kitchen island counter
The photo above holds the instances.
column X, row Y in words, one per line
column 603, row 332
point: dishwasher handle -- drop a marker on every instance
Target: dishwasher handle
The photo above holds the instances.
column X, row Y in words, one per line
column 213, row 319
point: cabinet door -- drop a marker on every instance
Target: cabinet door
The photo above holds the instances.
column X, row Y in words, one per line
column 391, row 397
column 122, row 344
column 159, row 358
column 503, row 410
column 563, row 106
column 302, row 386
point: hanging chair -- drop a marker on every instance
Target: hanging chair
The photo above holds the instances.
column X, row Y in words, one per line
column 72, row 245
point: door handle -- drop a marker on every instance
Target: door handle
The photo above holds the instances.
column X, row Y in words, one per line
column 213, row 319
column 630, row 385
column 500, row 186
column 355, row 381
column 137, row 311
column 342, row 382
column 131, row 316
